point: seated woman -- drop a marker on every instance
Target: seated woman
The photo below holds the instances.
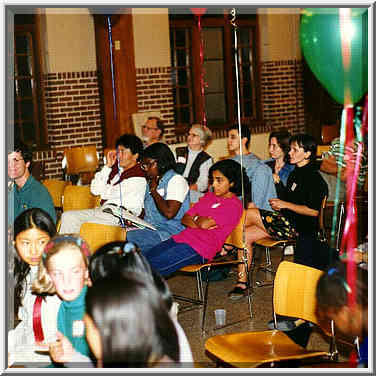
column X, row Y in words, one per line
column 128, row 325
column 193, row 162
column 166, row 199
column 279, row 162
column 208, row 223
column 297, row 213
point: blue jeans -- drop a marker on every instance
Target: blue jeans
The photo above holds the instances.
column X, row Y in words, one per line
column 169, row 256
column 145, row 238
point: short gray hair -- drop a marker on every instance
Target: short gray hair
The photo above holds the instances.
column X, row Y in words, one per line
column 204, row 132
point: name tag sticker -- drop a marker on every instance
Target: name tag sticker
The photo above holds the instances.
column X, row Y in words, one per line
column 215, row 205
column 181, row 160
column 293, row 187
column 78, row 328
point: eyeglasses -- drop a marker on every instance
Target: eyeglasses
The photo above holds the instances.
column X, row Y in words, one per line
column 146, row 165
column 15, row 160
column 193, row 135
column 149, row 128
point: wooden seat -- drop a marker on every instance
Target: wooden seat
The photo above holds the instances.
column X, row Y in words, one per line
column 234, row 240
column 294, row 295
column 267, row 243
column 77, row 197
column 97, row 235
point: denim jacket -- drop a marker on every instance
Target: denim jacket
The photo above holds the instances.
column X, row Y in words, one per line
column 165, row 227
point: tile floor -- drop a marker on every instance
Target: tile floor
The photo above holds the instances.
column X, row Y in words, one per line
column 217, row 298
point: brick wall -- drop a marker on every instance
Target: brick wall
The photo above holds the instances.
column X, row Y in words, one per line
column 73, row 116
column 154, row 93
column 282, row 95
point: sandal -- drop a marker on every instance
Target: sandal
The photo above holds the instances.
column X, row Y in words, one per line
column 232, row 252
column 237, row 292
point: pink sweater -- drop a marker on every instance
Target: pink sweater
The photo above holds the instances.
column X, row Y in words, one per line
column 225, row 211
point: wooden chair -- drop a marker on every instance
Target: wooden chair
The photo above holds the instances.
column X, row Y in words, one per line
column 77, row 197
column 56, row 189
column 97, row 235
column 268, row 243
column 82, row 161
column 294, row 295
column 234, row 240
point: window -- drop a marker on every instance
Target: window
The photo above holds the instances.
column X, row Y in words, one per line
column 28, row 121
column 219, row 70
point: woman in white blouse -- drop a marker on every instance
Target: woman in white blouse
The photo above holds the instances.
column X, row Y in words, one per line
column 193, row 162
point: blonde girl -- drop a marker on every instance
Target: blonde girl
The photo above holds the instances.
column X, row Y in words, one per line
column 37, row 313
column 64, row 270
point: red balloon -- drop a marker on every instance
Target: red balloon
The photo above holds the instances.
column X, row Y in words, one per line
column 198, row 11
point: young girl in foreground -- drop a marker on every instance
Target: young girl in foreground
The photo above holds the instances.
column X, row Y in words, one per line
column 32, row 230
column 128, row 325
column 332, row 295
column 124, row 257
column 208, row 223
column 64, row 270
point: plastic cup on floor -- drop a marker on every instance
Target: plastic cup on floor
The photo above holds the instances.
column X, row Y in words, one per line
column 220, row 317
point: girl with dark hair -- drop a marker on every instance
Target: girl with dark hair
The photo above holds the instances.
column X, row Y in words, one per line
column 333, row 293
column 166, row 199
column 208, row 222
column 128, row 325
column 32, row 230
column 124, row 257
column 279, row 161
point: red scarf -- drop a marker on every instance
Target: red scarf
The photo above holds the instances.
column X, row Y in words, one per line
column 135, row 171
column 37, row 319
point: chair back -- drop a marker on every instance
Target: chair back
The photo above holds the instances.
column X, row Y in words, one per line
column 294, row 292
column 236, row 236
column 97, row 235
column 56, row 189
column 78, row 197
column 81, row 159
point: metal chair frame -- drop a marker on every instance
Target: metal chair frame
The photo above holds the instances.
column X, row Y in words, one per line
column 235, row 244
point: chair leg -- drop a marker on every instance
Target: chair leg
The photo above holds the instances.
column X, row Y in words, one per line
column 248, row 271
column 199, row 284
column 205, row 300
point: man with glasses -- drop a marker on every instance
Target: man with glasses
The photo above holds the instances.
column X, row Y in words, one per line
column 25, row 192
column 152, row 131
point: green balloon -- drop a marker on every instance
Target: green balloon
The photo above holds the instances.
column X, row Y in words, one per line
column 320, row 40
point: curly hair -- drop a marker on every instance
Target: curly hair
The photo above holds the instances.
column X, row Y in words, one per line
column 204, row 132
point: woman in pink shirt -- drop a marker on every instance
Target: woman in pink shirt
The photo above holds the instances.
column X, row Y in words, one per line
column 208, row 223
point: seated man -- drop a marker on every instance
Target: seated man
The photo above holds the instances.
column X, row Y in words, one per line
column 152, row 131
column 121, row 182
column 25, row 192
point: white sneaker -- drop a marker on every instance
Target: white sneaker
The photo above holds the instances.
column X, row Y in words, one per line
column 289, row 250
